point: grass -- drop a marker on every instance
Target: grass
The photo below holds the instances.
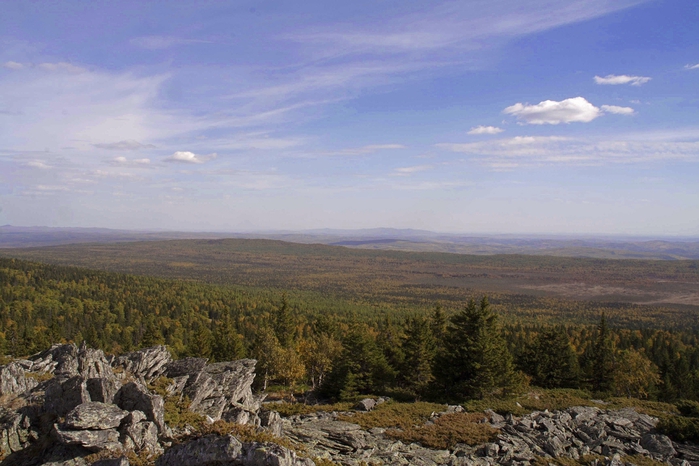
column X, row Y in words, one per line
column 293, row 409
column 396, row 415
column 557, row 399
column 588, row 460
column 447, row 431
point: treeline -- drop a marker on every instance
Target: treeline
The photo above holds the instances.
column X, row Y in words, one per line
column 304, row 340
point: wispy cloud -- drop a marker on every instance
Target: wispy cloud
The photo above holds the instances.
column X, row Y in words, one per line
column 364, row 150
column 551, row 112
column 163, row 42
column 485, row 130
column 613, row 79
column 124, row 145
column 38, row 164
column 692, row 67
column 123, row 161
column 406, row 171
column 13, row 65
column 618, row 110
column 189, row 157
column 537, row 150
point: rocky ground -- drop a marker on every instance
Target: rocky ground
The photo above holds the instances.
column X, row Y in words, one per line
column 71, row 406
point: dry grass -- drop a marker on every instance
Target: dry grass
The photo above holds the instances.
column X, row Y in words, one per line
column 246, row 433
column 447, row 431
column 291, row 409
column 392, row 414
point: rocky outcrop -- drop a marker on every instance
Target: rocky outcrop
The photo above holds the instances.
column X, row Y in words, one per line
column 146, row 364
column 91, row 403
column 571, row 433
column 217, row 391
column 213, row 450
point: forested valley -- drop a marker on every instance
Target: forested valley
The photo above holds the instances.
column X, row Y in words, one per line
column 306, row 340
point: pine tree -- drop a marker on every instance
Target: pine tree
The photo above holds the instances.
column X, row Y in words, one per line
column 227, row 344
column 419, row 349
column 551, row 360
column 475, row 361
column 360, row 369
column 603, row 359
column 284, row 323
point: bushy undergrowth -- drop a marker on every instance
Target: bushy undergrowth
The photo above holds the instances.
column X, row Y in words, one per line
column 291, row 409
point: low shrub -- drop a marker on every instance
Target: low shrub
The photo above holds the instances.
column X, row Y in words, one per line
column 447, row 431
column 393, row 414
column 680, row 428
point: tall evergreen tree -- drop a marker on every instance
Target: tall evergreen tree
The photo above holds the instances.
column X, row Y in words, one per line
column 550, row 360
column 227, row 344
column 475, row 361
column 602, row 360
column 419, row 350
column 284, row 323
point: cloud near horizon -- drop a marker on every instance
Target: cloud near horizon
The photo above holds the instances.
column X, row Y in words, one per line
column 124, row 145
column 551, row 112
column 618, row 110
column 612, row 80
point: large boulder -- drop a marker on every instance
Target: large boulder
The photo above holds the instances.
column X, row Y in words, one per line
column 62, row 395
column 94, row 440
column 136, row 397
column 94, row 416
column 92, row 363
column 13, row 380
column 15, row 432
column 103, row 389
column 146, row 364
column 204, row 451
column 138, row 434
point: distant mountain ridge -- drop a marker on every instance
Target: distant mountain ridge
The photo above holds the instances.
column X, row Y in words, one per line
column 603, row 247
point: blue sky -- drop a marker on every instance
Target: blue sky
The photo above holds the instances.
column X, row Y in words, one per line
column 545, row 116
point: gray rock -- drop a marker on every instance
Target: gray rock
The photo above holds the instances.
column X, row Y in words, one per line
column 92, row 363
column 103, row 389
column 122, row 461
column 185, row 366
column 204, row 451
column 140, row 435
column 13, row 380
column 62, row 395
column 133, row 396
column 272, row 421
column 367, row 404
column 94, row 440
column 94, row 416
column 15, row 432
column 658, row 444
column 270, row 454
column 145, row 364
column 60, row 360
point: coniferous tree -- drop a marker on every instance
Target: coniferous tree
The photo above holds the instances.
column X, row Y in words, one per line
column 227, row 344
column 602, row 360
column 419, row 350
column 284, row 323
column 360, row 369
column 475, row 361
column 551, row 361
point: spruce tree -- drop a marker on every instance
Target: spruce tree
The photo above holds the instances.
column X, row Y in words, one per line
column 227, row 344
column 603, row 359
column 551, row 361
column 284, row 323
column 419, row 350
column 475, row 361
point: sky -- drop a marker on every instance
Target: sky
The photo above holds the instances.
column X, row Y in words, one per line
column 475, row 116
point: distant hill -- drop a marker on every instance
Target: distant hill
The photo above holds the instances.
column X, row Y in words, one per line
column 385, row 239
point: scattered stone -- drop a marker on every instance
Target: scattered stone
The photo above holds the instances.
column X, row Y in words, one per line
column 367, row 404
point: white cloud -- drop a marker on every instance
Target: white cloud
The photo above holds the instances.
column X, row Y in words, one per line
column 612, row 79
column 189, row 157
column 368, row 149
column 692, row 67
column 163, row 42
column 124, row 145
column 551, row 112
column 38, row 164
column 618, row 110
column 13, row 65
column 485, row 130
column 130, row 162
column 62, row 67
column 537, row 150
column 405, row 171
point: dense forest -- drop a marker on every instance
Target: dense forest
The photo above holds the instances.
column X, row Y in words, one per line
column 338, row 347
